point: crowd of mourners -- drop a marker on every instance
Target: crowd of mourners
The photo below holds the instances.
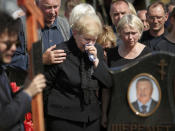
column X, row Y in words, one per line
column 77, row 52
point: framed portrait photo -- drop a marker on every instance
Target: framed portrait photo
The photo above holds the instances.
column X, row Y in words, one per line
column 144, row 94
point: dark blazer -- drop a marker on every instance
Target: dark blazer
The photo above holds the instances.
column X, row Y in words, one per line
column 63, row 95
column 12, row 107
column 152, row 106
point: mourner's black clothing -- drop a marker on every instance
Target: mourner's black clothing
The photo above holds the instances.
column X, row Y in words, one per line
column 114, row 59
column 72, row 85
column 58, row 124
column 148, row 39
column 12, row 106
column 164, row 45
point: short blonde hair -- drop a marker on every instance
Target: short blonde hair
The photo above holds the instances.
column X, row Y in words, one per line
column 88, row 25
column 107, row 35
column 79, row 10
column 131, row 20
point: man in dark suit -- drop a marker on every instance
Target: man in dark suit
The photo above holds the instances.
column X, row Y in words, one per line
column 13, row 106
column 144, row 103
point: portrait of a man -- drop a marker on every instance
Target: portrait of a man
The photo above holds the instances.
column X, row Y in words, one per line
column 144, row 102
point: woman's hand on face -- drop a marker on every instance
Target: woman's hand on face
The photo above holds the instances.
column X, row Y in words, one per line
column 91, row 49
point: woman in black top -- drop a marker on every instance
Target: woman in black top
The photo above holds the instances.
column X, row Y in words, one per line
column 72, row 103
column 130, row 29
column 114, row 58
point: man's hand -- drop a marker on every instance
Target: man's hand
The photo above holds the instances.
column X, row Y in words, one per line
column 52, row 56
column 36, row 86
column 104, row 121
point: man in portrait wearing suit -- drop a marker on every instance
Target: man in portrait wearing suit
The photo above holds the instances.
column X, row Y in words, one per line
column 144, row 103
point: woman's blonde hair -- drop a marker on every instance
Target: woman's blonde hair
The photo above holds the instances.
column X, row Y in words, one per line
column 107, row 35
column 132, row 21
column 88, row 24
column 78, row 10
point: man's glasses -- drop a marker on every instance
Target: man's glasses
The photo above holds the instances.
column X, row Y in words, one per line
column 159, row 18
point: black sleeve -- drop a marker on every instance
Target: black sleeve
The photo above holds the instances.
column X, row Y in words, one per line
column 102, row 72
column 15, row 110
column 50, row 73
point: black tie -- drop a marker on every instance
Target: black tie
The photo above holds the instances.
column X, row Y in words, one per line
column 144, row 109
column 86, row 72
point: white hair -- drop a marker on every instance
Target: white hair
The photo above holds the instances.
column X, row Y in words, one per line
column 88, row 24
column 79, row 10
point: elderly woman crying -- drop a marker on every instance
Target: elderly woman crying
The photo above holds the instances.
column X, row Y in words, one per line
column 72, row 103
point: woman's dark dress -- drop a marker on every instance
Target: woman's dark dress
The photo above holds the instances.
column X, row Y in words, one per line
column 114, row 59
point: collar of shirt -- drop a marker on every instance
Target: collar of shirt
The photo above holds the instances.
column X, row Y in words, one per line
column 54, row 25
column 153, row 37
column 4, row 80
column 148, row 104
